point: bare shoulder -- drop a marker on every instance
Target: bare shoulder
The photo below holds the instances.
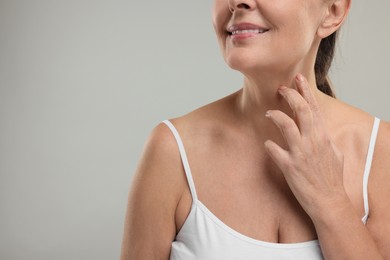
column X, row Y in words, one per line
column 209, row 117
column 160, row 145
column 160, row 159
column 382, row 147
column 380, row 171
column 154, row 194
column 351, row 125
column 379, row 190
column 159, row 185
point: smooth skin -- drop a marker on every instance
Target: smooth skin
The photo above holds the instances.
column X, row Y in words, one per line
column 278, row 160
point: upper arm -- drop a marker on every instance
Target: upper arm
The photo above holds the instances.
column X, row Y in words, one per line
column 154, row 194
column 379, row 192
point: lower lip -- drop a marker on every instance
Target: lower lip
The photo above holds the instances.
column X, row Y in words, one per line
column 243, row 36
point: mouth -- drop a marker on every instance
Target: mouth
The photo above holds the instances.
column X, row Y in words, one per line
column 247, row 29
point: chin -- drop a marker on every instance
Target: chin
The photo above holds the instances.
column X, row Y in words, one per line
column 249, row 64
column 241, row 61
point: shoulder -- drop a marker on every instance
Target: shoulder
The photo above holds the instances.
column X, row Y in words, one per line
column 202, row 124
column 160, row 142
column 160, row 159
column 154, row 195
column 206, row 122
column 379, row 191
column 383, row 141
column 159, row 179
column 351, row 127
column 381, row 161
column 357, row 125
column 380, row 171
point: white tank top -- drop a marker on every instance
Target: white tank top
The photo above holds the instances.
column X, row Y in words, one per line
column 204, row 236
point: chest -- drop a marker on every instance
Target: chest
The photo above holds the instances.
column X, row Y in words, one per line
column 245, row 190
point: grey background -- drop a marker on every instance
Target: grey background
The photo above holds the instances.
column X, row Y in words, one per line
column 82, row 83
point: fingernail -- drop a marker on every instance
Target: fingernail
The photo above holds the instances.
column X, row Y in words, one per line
column 268, row 113
column 300, row 77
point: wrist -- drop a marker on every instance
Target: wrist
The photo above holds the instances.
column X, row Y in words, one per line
column 330, row 209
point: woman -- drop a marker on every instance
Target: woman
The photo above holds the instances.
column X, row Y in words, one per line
column 277, row 170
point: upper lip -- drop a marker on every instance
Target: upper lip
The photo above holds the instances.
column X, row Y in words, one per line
column 245, row 26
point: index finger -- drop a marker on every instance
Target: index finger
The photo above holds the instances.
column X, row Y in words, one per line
column 307, row 93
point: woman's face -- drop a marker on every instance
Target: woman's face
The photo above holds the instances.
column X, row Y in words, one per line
column 275, row 34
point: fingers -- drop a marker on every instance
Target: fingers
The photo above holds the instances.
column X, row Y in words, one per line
column 303, row 103
column 287, row 127
column 277, row 154
column 300, row 107
column 306, row 92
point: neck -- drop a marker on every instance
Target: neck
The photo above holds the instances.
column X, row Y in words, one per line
column 260, row 94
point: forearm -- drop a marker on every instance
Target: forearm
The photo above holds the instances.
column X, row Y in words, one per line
column 343, row 235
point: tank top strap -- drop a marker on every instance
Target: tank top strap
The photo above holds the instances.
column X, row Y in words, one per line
column 184, row 159
column 367, row 169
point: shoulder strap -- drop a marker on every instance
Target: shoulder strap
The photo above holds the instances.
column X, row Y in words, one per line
column 184, row 159
column 367, row 169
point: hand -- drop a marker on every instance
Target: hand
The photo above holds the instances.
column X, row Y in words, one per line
column 312, row 165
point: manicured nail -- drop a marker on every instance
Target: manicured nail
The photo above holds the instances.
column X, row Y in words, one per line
column 268, row 113
column 300, row 77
